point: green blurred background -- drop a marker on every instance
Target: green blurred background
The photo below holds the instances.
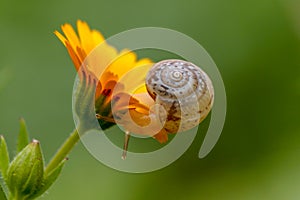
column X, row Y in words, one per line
column 255, row 44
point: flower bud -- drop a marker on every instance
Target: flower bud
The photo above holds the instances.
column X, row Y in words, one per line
column 26, row 171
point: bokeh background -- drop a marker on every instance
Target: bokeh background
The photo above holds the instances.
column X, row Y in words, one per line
column 256, row 46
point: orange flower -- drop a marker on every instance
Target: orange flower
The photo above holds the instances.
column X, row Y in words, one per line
column 105, row 61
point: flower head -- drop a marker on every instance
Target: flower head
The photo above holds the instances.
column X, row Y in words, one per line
column 112, row 102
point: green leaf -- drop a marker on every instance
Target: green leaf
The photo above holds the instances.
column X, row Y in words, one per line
column 2, row 194
column 50, row 179
column 4, row 157
column 23, row 138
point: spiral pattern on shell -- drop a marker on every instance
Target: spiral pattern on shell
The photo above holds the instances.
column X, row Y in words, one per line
column 184, row 90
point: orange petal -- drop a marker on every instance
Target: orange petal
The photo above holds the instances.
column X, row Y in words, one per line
column 110, row 86
column 139, row 118
column 140, row 123
column 162, row 136
column 108, row 76
column 144, row 98
column 98, row 90
column 70, row 35
column 76, row 60
column 81, row 54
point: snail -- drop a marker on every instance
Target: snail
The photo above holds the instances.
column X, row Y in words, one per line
column 184, row 90
column 182, row 95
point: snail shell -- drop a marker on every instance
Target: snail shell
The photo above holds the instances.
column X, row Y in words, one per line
column 184, row 91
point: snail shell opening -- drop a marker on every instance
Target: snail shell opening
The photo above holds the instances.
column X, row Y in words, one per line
column 184, row 90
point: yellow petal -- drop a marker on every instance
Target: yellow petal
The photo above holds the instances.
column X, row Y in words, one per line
column 70, row 35
column 142, row 62
column 97, row 37
column 86, row 38
column 60, row 37
column 100, row 58
column 124, row 62
column 134, row 79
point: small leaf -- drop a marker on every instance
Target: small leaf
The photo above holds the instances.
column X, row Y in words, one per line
column 2, row 194
column 4, row 157
column 50, row 179
column 23, row 138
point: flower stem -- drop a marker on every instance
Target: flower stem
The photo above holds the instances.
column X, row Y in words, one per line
column 63, row 151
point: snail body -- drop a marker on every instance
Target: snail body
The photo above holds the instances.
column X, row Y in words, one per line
column 184, row 91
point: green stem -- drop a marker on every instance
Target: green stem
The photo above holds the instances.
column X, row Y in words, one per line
column 64, row 150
